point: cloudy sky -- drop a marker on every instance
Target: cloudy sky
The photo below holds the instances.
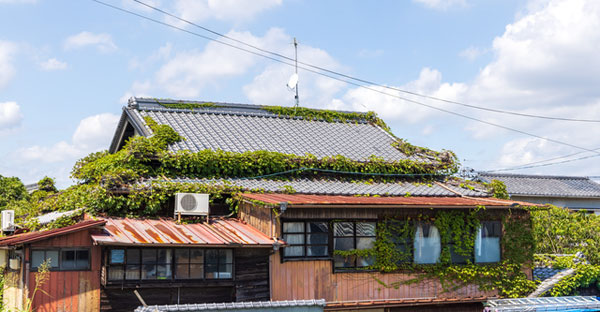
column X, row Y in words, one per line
column 67, row 68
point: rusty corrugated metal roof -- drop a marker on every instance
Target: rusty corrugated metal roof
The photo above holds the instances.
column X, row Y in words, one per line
column 302, row 199
column 41, row 235
column 166, row 232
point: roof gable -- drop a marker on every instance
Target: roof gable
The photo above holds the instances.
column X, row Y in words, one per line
column 242, row 128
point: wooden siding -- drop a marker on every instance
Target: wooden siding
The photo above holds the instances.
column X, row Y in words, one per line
column 252, row 275
column 260, row 217
column 296, row 280
column 68, row 290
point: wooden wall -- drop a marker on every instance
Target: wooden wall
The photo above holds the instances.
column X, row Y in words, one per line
column 296, row 280
column 260, row 217
column 68, row 290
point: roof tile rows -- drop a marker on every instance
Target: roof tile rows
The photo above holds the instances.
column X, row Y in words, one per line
column 241, row 128
column 229, row 306
column 540, row 185
column 343, row 187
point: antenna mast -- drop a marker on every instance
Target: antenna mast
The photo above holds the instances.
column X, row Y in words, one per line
column 296, row 62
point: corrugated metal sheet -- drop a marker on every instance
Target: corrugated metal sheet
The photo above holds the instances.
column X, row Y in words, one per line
column 279, row 306
column 37, row 236
column 300, row 199
column 220, row 232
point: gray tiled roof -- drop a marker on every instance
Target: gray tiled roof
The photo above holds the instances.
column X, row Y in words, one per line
column 241, row 127
column 342, row 187
column 544, row 273
column 279, row 306
column 541, row 185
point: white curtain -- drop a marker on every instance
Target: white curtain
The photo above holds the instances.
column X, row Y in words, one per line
column 427, row 245
column 487, row 249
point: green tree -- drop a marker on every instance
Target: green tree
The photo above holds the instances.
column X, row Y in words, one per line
column 11, row 189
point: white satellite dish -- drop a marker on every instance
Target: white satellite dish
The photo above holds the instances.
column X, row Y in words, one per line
column 293, row 81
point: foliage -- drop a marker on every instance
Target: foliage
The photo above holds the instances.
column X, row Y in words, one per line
column 585, row 275
column 458, row 228
column 498, row 189
column 560, row 231
column 186, row 105
column 47, row 184
column 11, row 189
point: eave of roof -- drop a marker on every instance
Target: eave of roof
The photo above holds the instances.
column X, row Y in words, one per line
column 219, row 232
column 299, row 200
column 406, row 302
column 31, row 237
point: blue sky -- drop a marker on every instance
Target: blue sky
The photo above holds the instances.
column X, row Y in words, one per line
column 67, row 68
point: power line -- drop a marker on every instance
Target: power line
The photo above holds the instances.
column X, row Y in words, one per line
column 542, row 165
column 346, row 81
column 359, row 79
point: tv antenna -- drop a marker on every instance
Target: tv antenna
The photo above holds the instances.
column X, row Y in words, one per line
column 293, row 82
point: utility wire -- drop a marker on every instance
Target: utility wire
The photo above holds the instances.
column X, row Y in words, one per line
column 359, row 79
column 346, row 81
column 542, row 165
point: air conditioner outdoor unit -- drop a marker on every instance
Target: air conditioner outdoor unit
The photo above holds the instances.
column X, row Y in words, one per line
column 8, row 220
column 191, row 204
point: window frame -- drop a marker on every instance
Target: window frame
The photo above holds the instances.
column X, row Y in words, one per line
column 305, row 244
column 60, row 255
column 355, row 238
column 108, row 265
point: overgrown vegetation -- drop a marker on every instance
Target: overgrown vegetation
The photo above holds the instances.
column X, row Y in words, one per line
column 457, row 229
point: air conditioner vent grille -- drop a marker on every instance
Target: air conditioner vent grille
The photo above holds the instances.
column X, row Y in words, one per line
column 188, row 202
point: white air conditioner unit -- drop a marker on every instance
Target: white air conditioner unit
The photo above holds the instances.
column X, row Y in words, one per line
column 8, row 220
column 191, row 204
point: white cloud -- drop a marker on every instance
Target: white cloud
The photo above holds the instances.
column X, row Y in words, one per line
column 92, row 134
column 442, row 4
column 472, row 53
column 227, row 10
column 53, row 64
column 163, row 53
column 103, row 42
column 7, row 70
column 10, row 116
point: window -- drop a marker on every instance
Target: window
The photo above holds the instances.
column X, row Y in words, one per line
column 487, row 242
column 306, row 239
column 353, row 235
column 134, row 264
column 427, row 245
column 400, row 233
column 62, row 259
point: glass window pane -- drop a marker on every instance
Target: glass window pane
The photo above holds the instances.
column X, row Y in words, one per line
column 164, row 256
column 133, row 256
column 148, row 256
column 296, row 251
column 132, row 272
column 182, row 255
column 163, row 271
column 226, row 256
column 149, row 271
column 115, row 272
column 37, row 257
column 365, row 242
column 68, row 259
column 317, row 239
column 225, row 271
column 317, row 227
column 457, row 258
column 364, row 262
column 212, row 256
column 427, row 245
column 197, row 256
column 344, row 262
column 53, row 256
column 345, row 243
column 315, row 251
column 293, row 227
column 293, row 239
column 117, row 256
column 343, row 229
column 365, row 228
column 212, row 270
column 182, row 271
column 196, row 271
column 487, row 249
column 491, row 228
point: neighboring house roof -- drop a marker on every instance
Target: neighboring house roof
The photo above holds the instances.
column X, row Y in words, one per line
column 145, row 232
column 31, row 237
column 406, row 302
column 332, row 186
column 546, row 186
column 32, row 187
column 273, row 306
column 55, row 215
column 410, row 201
column 243, row 127
column 574, row 303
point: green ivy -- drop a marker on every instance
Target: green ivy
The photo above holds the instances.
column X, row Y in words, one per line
column 498, row 189
column 186, row 105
